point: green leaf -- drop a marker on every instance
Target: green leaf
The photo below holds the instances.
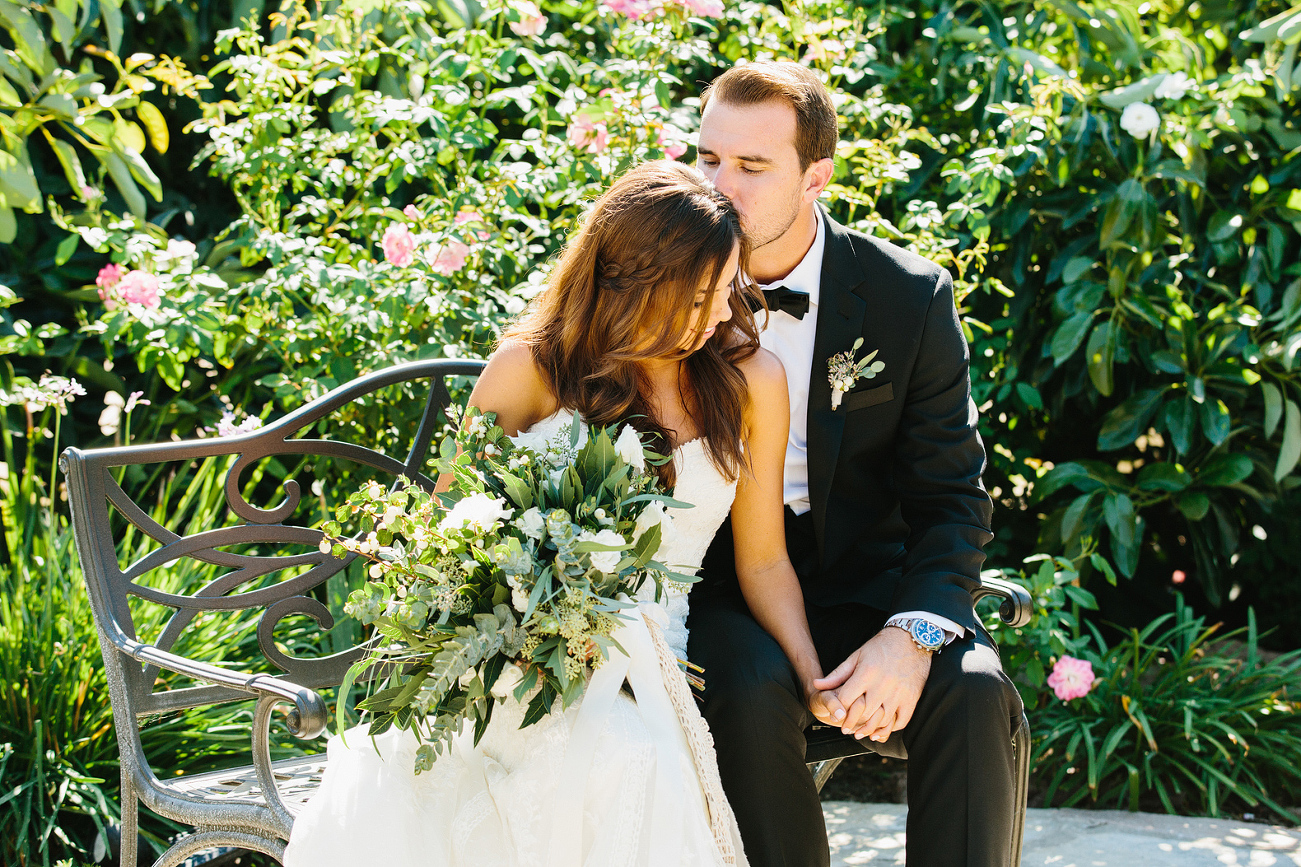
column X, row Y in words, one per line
column 1163, row 477
column 1273, row 407
column 1290, row 451
column 1070, row 334
column 1059, row 477
column 1283, row 26
column 18, row 184
column 111, row 10
column 66, row 248
column 1073, row 517
column 1116, row 219
column 29, row 40
column 8, row 225
column 1118, row 512
column 154, row 123
column 1130, row 93
column 1126, row 423
column 1100, row 563
column 1225, row 470
column 1194, row 504
column 1224, row 226
column 121, row 175
column 1101, row 356
column 140, row 169
column 1216, row 421
column 67, row 155
column 1178, row 416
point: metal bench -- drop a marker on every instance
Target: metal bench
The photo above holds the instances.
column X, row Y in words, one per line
column 263, row 564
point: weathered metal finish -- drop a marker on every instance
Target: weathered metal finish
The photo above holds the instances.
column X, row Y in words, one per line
column 251, row 807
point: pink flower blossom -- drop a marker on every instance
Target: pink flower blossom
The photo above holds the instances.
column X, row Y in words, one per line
column 399, row 245
column 140, row 287
column 451, row 258
column 1071, row 678
column 1178, row 576
column 411, row 212
column 531, row 20
column 633, row 9
column 470, row 215
column 108, row 277
column 588, row 135
column 705, row 8
column 670, row 140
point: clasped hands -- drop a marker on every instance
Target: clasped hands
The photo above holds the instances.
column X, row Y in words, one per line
column 875, row 691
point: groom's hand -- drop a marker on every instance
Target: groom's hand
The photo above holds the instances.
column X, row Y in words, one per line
column 879, row 684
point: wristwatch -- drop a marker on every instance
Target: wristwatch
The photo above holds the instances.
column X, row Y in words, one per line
column 926, row 635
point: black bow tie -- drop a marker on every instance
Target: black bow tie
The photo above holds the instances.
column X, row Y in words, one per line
column 780, row 298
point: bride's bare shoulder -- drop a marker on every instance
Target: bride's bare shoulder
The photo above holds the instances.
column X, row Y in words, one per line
column 764, row 370
column 513, row 387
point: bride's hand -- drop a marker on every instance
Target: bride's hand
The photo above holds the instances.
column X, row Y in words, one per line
column 879, row 684
column 824, row 705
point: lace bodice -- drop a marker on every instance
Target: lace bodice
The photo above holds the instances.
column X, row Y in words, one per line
column 683, row 549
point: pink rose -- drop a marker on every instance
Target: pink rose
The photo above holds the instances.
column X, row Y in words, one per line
column 670, row 140
column 469, row 215
column 108, row 277
column 705, row 8
column 633, row 9
column 411, row 212
column 399, row 245
column 451, row 258
column 140, row 287
column 1071, row 678
column 588, row 135
column 531, row 20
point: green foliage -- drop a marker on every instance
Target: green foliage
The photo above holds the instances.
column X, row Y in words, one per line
column 1176, row 719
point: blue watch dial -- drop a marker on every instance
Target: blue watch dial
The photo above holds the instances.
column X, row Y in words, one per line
column 927, row 634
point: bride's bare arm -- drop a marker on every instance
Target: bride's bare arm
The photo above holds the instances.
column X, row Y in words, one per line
column 512, row 387
column 768, row 581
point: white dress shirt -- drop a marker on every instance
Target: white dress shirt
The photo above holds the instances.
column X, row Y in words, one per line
column 791, row 340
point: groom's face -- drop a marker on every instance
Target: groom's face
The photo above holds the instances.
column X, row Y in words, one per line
column 748, row 152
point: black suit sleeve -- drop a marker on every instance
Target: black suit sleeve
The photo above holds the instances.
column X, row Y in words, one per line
column 939, row 459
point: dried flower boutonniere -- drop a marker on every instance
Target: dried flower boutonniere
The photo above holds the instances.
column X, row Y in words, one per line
column 845, row 371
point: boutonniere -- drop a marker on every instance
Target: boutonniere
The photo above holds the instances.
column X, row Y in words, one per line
column 845, row 371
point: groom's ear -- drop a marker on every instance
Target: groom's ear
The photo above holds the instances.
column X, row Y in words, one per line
column 816, row 178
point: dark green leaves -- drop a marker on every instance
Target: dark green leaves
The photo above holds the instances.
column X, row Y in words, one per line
column 1126, row 422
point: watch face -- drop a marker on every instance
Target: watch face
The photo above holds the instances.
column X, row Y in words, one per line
column 927, row 634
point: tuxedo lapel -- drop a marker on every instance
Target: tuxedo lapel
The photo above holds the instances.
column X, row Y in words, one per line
column 840, row 321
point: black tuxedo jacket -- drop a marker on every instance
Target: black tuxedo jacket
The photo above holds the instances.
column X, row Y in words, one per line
column 899, row 512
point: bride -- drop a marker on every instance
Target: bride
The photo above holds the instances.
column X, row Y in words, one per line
column 641, row 321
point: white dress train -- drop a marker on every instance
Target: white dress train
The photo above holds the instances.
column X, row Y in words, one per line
column 610, row 782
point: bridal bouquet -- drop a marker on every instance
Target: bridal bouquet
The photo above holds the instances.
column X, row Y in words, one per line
column 511, row 582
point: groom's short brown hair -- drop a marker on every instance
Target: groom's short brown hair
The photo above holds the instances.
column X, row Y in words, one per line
column 816, row 127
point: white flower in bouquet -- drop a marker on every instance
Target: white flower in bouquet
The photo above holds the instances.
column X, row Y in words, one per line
column 606, row 561
column 531, row 523
column 477, row 511
column 510, row 677
column 1174, row 86
column 628, row 447
column 1139, row 119
column 654, row 515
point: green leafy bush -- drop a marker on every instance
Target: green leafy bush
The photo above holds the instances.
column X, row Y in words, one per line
column 1176, row 719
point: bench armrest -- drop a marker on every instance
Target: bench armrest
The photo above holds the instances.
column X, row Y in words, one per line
column 1015, row 609
column 306, row 721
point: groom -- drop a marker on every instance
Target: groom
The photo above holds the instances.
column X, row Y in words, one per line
column 886, row 516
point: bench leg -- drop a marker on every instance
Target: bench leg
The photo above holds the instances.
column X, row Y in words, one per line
column 822, row 771
column 1021, row 747
column 129, row 830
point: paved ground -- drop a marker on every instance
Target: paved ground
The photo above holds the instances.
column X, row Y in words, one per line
column 874, row 834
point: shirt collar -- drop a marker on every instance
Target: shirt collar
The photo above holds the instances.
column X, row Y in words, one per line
column 807, row 275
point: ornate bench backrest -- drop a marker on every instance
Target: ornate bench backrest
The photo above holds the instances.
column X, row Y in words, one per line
column 258, row 560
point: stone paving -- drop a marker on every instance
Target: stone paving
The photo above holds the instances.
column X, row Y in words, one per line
column 874, row 834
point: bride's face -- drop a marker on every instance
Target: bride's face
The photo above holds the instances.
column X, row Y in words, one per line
column 720, row 306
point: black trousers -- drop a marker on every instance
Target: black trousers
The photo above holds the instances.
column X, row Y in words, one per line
column 961, row 776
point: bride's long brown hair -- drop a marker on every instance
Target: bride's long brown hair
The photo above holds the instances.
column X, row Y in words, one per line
column 622, row 293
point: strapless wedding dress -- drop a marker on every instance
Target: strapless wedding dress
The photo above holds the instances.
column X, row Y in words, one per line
column 612, row 781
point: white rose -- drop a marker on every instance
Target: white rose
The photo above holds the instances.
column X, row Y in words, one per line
column 606, row 561
column 519, row 600
column 1139, row 119
column 1174, row 86
column 654, row 515
column 510, row 677
column 628, row 446
column 478, row 511
column 531, row 523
